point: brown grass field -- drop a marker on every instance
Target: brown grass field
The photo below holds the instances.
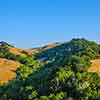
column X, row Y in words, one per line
column 95, row 67
column 18, row 51
column 7, row 70
column 8, row 67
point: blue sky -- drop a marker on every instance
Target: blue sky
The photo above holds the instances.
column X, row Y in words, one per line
column 30, row 23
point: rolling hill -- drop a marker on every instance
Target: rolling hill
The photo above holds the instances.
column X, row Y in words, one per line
column 59, row 71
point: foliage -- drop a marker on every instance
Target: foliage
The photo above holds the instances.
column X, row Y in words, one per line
column 58, row 73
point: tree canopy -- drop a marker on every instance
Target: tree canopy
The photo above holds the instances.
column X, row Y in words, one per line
column 59, row 73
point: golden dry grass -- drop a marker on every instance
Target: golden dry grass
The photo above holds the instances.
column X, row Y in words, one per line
column 95, row 67
column 7, row 70
column 15, row 50
column 8, row 67
column 30, row 52
column 49, row 47
column 18, row 51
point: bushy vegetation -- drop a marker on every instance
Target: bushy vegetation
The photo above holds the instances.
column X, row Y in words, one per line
column 59, row 73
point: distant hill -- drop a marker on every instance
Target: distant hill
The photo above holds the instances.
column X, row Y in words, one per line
column 58, row 71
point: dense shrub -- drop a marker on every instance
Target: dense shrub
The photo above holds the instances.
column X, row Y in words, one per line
column 58, row 73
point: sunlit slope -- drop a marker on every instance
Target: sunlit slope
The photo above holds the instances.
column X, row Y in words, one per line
column 49, row 52
column 22, row 52
column 11, row 59
column 61, row 71
column 7, row 70
column 95, row 66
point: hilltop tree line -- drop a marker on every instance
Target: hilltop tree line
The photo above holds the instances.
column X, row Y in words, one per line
column 59, row 73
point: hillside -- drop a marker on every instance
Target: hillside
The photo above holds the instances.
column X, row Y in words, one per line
column 7, row 70
column 59, row 71
column 8, row 67
column 95, row 66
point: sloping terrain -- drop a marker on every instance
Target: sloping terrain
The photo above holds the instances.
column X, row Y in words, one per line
column 8, row 67
column 8, row 70
column 11, row 60
column 60, row 71
column 95, row 66
column 22, row 52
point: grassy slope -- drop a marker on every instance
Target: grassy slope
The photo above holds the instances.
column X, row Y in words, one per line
column 7, row 70
column 8, row 67
column 95, row 66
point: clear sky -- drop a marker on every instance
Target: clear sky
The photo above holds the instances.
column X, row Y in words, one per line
column 30, row 23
